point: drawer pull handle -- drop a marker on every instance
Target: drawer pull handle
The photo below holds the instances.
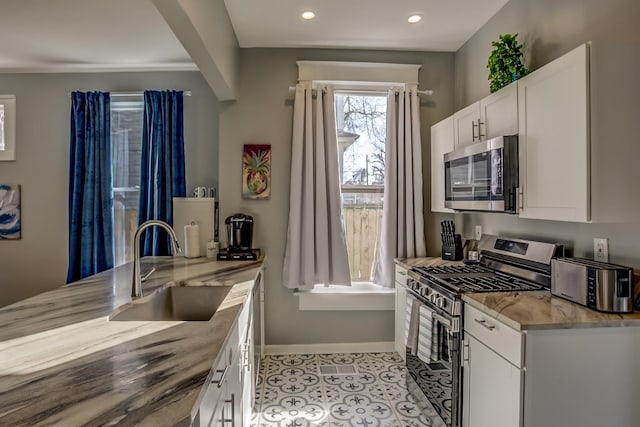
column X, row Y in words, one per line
column 221, row 380
column 402, row 273
column 485, row 324
column 231, row 420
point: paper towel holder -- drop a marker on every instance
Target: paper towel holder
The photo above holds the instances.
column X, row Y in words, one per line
column 192, row 240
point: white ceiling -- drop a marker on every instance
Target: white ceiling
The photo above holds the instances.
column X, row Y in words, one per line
column 376, row 24
column 65, row 35
column 77, row 35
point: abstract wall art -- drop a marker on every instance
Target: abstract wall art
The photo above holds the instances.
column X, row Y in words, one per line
column 256, row 171
column 10, row 225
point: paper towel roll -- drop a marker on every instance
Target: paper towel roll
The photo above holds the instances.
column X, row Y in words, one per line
column 192, row 240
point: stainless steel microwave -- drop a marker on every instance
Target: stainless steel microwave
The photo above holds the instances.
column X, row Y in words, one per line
column 483, row 176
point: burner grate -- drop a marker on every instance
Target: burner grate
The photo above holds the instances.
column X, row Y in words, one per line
column 474, row 278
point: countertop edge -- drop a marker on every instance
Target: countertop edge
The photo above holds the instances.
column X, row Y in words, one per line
column 577, row 317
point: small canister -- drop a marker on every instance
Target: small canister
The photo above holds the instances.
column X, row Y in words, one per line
column 212, row 249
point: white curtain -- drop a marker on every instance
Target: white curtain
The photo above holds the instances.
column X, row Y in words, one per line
column 402, row 212
column 316, row 251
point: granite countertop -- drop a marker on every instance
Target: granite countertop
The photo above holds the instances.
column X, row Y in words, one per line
column 63, row 362
column 541, row 310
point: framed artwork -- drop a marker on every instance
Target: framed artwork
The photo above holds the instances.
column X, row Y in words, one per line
column 256, row 171
column 7, row 127
column 10, row 225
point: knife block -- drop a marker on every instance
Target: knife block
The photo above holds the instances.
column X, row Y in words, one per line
column 452, row 247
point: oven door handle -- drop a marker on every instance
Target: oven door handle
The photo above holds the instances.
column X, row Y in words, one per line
column 441, row 319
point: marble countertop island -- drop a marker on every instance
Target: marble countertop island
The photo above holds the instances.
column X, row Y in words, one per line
column 62, row 362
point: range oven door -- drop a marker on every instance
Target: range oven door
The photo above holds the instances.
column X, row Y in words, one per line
column 432, row 359
column 483, row 176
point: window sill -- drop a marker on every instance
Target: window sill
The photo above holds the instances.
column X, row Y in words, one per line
column 359, row 297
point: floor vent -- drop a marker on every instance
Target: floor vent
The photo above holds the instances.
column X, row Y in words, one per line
column 338, row 370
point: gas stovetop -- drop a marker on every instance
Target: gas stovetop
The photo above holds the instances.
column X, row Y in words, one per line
column 506, row 265
column 473, row 278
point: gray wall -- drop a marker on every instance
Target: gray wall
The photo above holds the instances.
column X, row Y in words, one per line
column 38, row 262
column 550, row 28
column 264, row 113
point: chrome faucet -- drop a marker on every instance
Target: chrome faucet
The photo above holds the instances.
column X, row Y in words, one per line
column 136, row 287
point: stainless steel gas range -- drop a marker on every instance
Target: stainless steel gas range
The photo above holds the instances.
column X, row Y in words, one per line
column 434, row 298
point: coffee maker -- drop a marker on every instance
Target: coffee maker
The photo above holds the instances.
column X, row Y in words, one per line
column 239, row 233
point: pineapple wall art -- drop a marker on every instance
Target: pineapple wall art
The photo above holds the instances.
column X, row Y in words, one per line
column 256, row 171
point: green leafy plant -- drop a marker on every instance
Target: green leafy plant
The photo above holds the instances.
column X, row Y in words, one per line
column 506, row 62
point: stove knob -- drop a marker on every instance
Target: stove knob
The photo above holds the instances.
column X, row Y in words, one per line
column 440, row 302
column 433, row 297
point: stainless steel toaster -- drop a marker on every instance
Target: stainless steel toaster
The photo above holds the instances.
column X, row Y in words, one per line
column 597, row 285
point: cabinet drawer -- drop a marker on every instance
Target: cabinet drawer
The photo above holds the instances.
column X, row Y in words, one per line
column 401, row 275
column 502, row 339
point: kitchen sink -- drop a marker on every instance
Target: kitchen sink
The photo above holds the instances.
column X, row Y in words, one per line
column 174, row 303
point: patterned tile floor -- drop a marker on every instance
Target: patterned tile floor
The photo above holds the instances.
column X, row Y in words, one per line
column 292, row 393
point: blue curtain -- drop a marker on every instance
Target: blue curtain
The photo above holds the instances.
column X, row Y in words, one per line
column 90, row 182
column 162, row 171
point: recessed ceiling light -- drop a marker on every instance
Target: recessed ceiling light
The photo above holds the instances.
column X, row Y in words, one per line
column 307, row 14
column 414, row 19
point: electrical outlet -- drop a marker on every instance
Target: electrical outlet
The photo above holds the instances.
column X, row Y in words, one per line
column 478, row 232
column 601, row 249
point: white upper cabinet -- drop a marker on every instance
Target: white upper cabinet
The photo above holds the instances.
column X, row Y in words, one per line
column 578, row 136
column 553, row 107
column 499, row 113
column 441, row 143
column 466, row 125
column 495, row 115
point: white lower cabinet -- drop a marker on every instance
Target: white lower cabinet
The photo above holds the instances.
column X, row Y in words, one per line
column 222, row 403
column 491, row 384
column 222, row 384
column 247, row 373
column 566, row 377
column 228, row 396
column 400, row 313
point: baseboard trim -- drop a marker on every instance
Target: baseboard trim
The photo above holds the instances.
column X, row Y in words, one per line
column 357, row 347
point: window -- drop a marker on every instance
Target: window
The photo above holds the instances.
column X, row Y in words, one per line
column 7, row 127
column 2, row 145
column 362, row 122
column 361, row 95
column 126, row 147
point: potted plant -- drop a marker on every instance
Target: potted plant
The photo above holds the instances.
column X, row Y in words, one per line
column 505, row 62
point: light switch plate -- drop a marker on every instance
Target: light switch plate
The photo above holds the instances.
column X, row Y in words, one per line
column 601, row 249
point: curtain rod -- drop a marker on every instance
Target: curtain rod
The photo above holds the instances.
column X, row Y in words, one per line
column 117, row 94
column 427, row 92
